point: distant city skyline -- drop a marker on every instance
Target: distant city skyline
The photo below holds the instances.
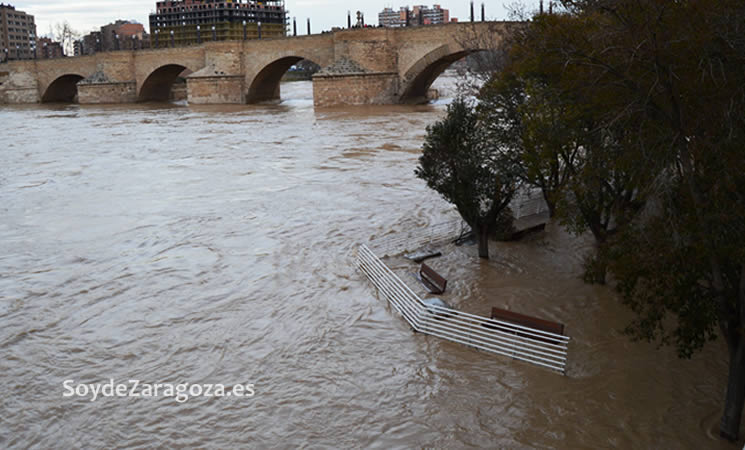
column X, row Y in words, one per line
column 86, row 15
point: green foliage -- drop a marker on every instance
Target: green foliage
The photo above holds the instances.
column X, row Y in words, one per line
column 681, row 289
column 466, row 169
column 533, row 126
column 656, row 92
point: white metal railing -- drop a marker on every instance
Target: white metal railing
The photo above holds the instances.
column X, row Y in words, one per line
column 413, row 240
column 526, row 203
column 503, row 338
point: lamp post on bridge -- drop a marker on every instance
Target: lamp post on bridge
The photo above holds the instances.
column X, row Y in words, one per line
column 173, row 40
column 5, row 53
column 294, row 27
column 199, row 34
column 259, row 28
column 245, row 31
column 214, row 33
column 308, row 26
column 483, row 16
column 157, row 32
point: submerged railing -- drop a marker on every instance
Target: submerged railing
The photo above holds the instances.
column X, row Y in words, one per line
column 527, row 203
column 537, row 347
column 413, row 240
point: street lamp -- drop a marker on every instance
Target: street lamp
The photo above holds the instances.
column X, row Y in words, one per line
column 18, row 52
column 5, row 50
column 214, row 33
column 118, row 44
column 259, row 24
column 172, row 40
column 199, row 35
column 157, row 33
column 245, row 35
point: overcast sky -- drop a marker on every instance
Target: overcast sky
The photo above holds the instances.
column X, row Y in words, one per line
column 89, row 15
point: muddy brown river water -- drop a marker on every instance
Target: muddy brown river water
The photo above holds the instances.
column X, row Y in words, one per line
column 175, row 244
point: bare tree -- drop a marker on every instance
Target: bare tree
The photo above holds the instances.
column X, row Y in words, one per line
column 488, row 53
column 66, row 35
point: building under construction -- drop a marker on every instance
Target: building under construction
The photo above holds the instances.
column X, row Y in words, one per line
column 190, row 22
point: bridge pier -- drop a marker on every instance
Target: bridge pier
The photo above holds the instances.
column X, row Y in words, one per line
column 215, row 89
column 378, row 88
column 20, row 96
column 18, row 83
column 107, row 92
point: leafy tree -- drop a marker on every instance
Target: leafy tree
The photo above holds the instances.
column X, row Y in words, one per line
column 605, row 193
column 662, row 86
column 466, row 169
column 533, row 126
column 556, row 144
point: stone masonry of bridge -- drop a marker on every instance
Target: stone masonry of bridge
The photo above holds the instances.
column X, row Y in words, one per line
column 360, row 66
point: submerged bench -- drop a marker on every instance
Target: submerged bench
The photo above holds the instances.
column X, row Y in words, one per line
column 432, row 280
column 528, row 321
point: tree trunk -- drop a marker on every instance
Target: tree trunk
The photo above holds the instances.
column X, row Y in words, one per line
column 551, row 209
column 483, row 235
column 550, row 203
column 734, row 334
column 730, row 425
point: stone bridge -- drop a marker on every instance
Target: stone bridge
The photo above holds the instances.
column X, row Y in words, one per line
column 360, row 66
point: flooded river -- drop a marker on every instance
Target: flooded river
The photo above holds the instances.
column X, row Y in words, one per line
column 176, row 244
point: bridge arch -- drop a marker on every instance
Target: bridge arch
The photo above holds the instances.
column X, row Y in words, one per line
column 421, row 74
column 64, row 89
column 157, row 85
column 265, row 85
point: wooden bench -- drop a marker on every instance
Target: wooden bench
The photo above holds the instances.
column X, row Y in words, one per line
column 528, row 321
column 433, row 281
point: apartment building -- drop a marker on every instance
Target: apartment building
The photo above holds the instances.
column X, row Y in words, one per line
column 17, row 34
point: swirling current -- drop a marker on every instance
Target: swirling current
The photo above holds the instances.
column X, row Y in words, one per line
column 185, row 244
